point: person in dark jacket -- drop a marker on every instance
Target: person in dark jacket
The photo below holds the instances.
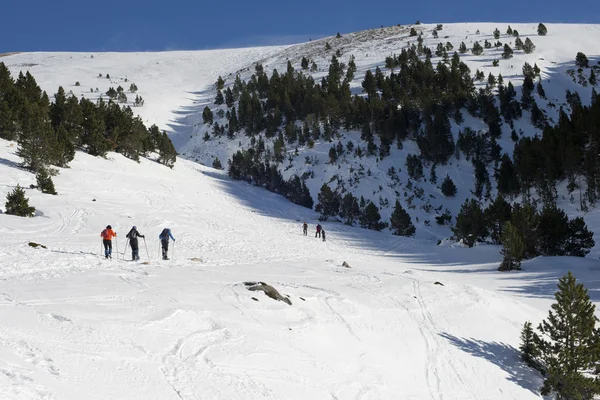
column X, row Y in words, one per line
column 323, row 234
column 133, row 236
column 318, row 232
column 164, row 241
column 305, row 228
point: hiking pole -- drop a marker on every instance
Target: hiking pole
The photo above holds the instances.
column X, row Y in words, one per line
column 146, row 246
column 125, row 251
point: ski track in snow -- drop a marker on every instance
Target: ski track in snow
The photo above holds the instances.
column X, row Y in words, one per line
column 74, row 325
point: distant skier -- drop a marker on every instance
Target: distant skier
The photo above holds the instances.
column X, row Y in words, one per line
column 318, row 232
column 305, row 228
column 107, row 235
column 164, row 241
column 323, row 233
column 133, row 236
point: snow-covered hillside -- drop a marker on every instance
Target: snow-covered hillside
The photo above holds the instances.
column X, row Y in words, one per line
column 176, row 86
column 74, row 325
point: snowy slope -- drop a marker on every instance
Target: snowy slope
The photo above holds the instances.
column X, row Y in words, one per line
column 74, row 325
column 177, row 86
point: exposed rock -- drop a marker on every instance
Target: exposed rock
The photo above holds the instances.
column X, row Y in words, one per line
column 345, row 264
column 255, row 299
column 269, row 291
column 439, row 283
column 196, row 259
column 302, row 298
column 36, row 245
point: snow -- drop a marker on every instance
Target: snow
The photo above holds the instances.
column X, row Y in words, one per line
column 74, row 325
column 176, row 86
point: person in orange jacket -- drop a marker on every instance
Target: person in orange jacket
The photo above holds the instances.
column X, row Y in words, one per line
column 107, row 236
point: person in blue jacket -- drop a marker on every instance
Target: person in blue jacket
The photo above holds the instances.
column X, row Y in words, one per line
column 164, row 241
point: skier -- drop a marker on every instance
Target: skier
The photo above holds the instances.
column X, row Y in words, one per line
column 318, row 232
column 305, row 228
column 107, row 235
column 164, row 241
column 323, row 233
column 133, row 236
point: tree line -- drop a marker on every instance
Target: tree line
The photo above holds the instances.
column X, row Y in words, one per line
column 48, row 133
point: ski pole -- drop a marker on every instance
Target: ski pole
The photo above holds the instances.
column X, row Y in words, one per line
column 125, row 251
column 173, row 250
column 146, row 246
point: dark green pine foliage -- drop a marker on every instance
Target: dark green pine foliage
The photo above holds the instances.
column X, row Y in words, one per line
column 506, row 177
column 525, row 220
column 528, row 46
column 220, row 83
column 526, row 92
column 349, row 209
column 470, row 223
column 513, row 248
column 496, row 34
column 166, row 151
column 581, row 60
column 528, row 348
column 579, row 240
column 37, row 139
column 552, row 231
column 219, row 99
column 569, row 343
column 217, row 163
column 17, row 204
column 477, row 49
column 207, row 116
column 400, row 222
column 462, row 48
column 542, row 30
column 497, row 215
column 448, row 187
column 44, row 181
column 507, row 52
column 437, row 144
column 370, row 217
column 328, row 202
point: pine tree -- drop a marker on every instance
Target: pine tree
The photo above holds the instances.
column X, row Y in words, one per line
column 525, row 220
column 569, row 343
column 217, row 163
column 528, row 348
column 496, row 34
column 470, row 223
column 593, row 80
column 133, row 88
column 413, row 32
column 17, row 204
column 508, row 52
column 400, row 222
column 304, row 63
column 370, row 218
column 509, row 31
column 329, row 202
column 349, row 209
column 513, row 248
column 37, row 139
column 552, row 231
column 219, row 99
column 518, row 44
column 448, row 187
column 166, row 151
column 220, row 83
column 462, row 48
column 579, row 239
column 497, row 215
column 207, row 116
column 528, row 46
column 581, row 60
column 44, row 181
column 477, row 49
column 542, row 30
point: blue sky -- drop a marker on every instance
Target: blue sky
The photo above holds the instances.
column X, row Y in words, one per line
column 134, row 25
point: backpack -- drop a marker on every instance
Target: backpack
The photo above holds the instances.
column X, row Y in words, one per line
column 164, row 234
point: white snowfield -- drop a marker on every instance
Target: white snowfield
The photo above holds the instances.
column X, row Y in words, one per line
column 74, row 325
